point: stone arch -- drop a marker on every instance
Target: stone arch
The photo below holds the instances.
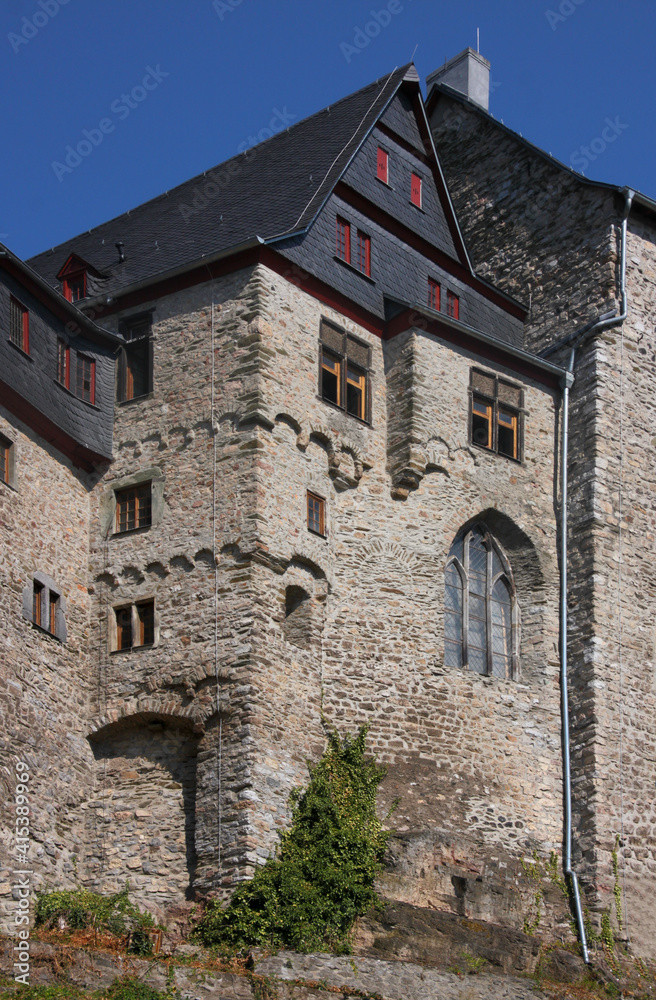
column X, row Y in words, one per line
column 141, row 818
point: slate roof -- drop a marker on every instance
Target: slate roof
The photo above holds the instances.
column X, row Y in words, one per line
column 274, row 188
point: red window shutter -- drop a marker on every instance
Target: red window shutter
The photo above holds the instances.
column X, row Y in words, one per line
column 382, row 165
column 452, row 305
column 367, row 255
column 434, row 295
column 415, row 190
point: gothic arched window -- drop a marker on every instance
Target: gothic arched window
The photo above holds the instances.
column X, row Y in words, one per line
column 480, row 617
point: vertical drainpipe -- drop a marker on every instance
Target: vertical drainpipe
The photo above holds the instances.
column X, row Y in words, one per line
column 564, row 692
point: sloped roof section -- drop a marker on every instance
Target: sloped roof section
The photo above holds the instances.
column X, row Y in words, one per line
column 273, row 189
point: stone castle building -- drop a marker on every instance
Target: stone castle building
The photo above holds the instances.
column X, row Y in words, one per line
column 286, row 444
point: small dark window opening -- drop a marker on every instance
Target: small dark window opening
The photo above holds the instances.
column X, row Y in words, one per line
column 135, row 361
column 496, row 409
column 363, row 261
column 294, row 598
column 343, row 233
column 85, row 378
column 133, row 508
column 38, row 595
column 316, row 514
column 146, row 621
column 124, row 628
column 6, row 457
column 53, row 609
column 344, row 368
column 19, row 325
column 75, row 286
column 433, row 295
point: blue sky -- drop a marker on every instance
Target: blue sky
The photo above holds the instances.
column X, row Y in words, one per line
column 211, row 75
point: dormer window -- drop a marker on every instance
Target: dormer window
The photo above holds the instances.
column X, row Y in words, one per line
column 74, row 286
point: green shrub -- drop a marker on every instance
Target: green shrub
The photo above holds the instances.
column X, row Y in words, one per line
column 82, row 908
column 322, row 877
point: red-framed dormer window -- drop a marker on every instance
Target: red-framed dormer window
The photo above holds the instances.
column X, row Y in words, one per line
column 382, row 166
column 363, row 260
column 415, row 189
column 74, row 286
column 19, row 325
column 343, row 240
column 433, row 295
column 63, row 364
column 452, row 305
column 85, row 378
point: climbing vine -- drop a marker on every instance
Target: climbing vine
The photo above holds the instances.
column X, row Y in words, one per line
column 308, row 896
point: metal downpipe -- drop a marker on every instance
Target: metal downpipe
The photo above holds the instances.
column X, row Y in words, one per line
column 564, row 693
column 601, row 324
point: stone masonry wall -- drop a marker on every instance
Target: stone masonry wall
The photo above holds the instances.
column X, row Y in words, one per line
column 529, row 223
column 44, row 685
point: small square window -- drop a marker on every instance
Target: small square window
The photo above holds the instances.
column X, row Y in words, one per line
column 415, row 189
column 19, row 325
column 6, row 460
column 363, row 260
column 74, row 286
column 433, row 295
column 133, row 508
column 316, row 514
column 85, row 378
column 452, row 305
column 135, row 625
column 343, row 250
column 382, row 166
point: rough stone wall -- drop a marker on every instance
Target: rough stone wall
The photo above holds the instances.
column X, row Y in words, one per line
column 45, row 688
column 546, row 229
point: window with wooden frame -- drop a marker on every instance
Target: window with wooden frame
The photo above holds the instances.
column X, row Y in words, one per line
column 44, row 606
column 38, row 600
column 343, row 240
column 6, row 460
column 363, row 259
column 496, row 415
column 135, row 625
column 434, row 295
column 74, row 286
column 135, row 362
column 480, row 610
column 382, row 166
column 452, row 305
column 19, row 325
column 316, row 514
column 344, row 371
column 133, row 508
column 85, row 378
column 415, row 189
column 63, row 363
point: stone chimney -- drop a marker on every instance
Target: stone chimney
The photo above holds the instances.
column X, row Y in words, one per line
column 468, row 73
